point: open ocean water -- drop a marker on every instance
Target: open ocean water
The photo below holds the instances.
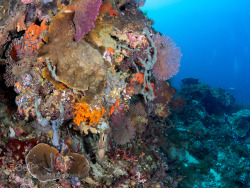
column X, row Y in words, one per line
column 214, row 39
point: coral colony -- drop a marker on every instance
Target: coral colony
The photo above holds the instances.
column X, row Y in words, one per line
column 85, row 101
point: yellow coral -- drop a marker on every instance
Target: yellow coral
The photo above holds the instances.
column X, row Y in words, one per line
column 51, row 134
column 86, row 114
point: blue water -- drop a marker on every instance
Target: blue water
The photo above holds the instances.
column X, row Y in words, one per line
column 214, row 36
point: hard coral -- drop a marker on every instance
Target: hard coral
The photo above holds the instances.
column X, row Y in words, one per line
column 81, row 66
column 240, row 122
column 45, row 162
column 84, row 113
column 58, row 85
column 130, row 18
column 38, row 158
column 80, row 166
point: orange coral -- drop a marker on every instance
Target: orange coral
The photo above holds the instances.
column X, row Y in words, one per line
column 112, row 13
column 138, row 77
column 116, row 105
column 110, row 50
column 34, row 31
column 86, row 114
column 152, row 86
column 30, row 42
column 32, row 34
column 107, row 8
column 130, row 90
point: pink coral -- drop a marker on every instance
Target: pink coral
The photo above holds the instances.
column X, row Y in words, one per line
column 168, row 57
column 86, row 12
column 27, row 1
column 60, row 163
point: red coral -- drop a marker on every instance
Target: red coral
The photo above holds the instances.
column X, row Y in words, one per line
column 18, row 148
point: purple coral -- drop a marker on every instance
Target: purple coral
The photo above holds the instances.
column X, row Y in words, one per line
column 168, row 57
column 86, row 13
column 125, row 132
column 122, row 127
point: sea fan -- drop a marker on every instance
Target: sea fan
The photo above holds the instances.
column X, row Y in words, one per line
column 168, row 57
column 125, row 132
column 86, row 12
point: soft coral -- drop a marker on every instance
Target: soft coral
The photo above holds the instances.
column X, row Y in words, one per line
column 86, row 12
column 86, row 114
column 168, row 57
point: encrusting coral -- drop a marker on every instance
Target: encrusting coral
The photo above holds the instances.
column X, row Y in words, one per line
column 82, row 68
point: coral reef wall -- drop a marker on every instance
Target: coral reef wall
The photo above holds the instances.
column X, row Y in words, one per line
column 84, row 82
